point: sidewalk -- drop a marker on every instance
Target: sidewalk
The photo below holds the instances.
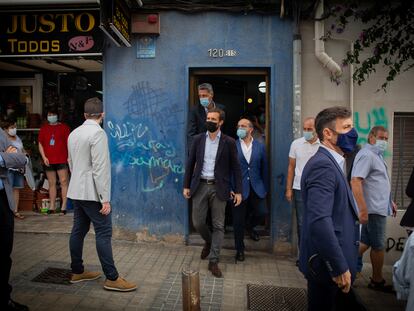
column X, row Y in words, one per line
column 156, row 267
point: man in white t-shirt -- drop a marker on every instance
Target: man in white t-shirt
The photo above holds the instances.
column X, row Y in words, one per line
column 301, row 150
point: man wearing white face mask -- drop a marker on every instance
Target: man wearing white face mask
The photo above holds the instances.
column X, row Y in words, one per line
column 301, row 150
column 53, row 147
column 372, row 191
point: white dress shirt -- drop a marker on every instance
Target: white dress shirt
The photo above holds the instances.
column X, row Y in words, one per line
column 210, row 154
column 246, row 149
column 338, row 158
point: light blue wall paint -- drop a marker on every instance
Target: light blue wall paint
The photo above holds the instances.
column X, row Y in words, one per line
column 146, row 102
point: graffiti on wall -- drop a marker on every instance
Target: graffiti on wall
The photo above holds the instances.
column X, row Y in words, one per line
column 397, row 244
column 145, row 141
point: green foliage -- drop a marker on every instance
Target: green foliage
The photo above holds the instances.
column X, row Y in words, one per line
column 387, row 36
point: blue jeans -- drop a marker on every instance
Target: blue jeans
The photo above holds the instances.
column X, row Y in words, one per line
column 86, row 212
column 298, row 204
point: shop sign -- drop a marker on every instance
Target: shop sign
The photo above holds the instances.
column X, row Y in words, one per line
column 51, row 32
column 116, row 21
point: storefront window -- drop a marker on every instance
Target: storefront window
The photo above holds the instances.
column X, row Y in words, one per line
column 16, row 102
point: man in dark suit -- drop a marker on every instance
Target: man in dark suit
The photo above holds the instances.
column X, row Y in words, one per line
column 330, row 234
column 211, row 164
column 9, row 158
column 198, row 113
column 253, row 164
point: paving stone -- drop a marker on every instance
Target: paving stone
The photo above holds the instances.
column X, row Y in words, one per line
column 157, row 270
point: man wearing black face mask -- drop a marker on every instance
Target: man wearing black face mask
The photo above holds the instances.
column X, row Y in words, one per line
column 330, row 229
column 212, row 161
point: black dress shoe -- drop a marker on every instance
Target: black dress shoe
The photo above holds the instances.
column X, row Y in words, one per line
column 254, row 236
column 15, row 306
column 205, row 251
column 239, row 256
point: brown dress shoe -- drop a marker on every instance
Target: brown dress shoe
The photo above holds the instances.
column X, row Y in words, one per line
column 120, row 285
column 215, row 270
column 206, row 251
column 85, row 276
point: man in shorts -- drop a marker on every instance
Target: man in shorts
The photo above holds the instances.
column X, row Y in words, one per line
column 372, row 191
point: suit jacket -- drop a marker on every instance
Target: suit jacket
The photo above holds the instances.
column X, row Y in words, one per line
column 226, row 166
column 197, row 121
column 89, row 163
column 11, row 160
column 330, row 231
column 254, row 173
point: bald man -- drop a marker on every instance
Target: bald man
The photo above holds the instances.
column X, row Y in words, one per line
column 301, row 150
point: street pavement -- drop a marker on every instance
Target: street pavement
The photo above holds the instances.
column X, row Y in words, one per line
column 42, row 241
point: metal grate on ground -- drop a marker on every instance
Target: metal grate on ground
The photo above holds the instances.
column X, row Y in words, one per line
column 25, row 281
column 169, row 296
column 54, row 276
column 268, row 297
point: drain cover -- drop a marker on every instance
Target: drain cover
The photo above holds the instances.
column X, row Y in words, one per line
column 269, row 297
column 54, row 276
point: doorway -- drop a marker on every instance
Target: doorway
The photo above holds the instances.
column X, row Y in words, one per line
column 244, row 93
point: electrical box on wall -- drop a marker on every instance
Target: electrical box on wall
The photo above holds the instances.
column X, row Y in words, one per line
column 148, row 23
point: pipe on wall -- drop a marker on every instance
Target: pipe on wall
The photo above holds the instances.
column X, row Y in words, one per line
column 320, row 53
column 297, row 86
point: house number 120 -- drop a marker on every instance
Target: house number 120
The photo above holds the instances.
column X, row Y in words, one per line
column 215, row 53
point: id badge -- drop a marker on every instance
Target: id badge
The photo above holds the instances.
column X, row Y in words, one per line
column 52, row 142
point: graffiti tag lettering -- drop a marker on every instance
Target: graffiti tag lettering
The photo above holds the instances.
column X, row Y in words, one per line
column 399, row 246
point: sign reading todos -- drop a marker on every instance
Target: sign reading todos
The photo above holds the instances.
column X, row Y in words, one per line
column 66, row 32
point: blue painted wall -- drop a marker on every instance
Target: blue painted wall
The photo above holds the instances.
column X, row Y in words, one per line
column 146, row 102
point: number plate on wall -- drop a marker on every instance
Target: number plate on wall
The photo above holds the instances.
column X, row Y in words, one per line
column 220, row 53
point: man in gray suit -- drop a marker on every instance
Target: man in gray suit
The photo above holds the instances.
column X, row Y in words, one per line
column 90, row 191
column 9, row 158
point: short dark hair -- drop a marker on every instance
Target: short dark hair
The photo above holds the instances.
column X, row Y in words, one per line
column 52, row 109
column 5, row 124
column 219, row 111
column 374, row 131
column 327, row 118
column 248, row 118
column 93, row 107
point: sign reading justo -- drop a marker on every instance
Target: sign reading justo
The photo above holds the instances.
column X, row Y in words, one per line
column 50, row 32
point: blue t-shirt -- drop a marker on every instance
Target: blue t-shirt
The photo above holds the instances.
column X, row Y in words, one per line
column 369, row 165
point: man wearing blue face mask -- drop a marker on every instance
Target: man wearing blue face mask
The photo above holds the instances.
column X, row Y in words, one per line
column 372, row 190
column 253, row 164
column 330, row 228
column 198, row 113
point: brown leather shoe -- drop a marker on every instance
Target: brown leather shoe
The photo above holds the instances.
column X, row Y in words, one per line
column 85, row 276
column 206, row 251
column 215, row 270
column 120, row 285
